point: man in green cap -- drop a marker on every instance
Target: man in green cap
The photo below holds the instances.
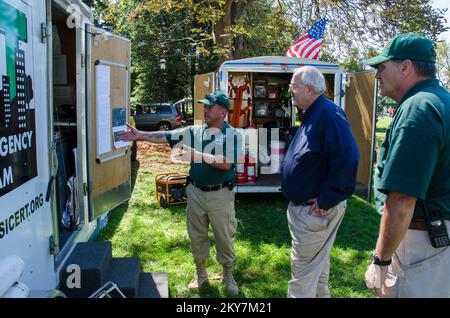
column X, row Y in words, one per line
column 412, row 178
column 212, row 150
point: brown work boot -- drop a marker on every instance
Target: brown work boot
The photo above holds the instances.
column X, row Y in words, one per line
column 201, row 275
column 228, row 279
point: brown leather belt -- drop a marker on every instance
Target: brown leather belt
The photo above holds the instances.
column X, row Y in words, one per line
column 418, row 224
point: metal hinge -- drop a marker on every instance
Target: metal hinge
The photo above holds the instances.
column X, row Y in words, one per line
column 82, row 60
column 51, row 242
column 52, row 145
column 44, row 32
column 85, row 189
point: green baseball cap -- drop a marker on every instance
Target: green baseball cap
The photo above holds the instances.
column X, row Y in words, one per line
column 407, row 46
column 216, row 98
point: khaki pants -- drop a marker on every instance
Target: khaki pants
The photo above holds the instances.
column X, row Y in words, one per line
column 422, row 270
column 215, row 208
column 312, row 240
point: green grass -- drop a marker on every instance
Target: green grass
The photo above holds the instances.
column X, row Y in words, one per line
column 382, row 125
column 141, row 228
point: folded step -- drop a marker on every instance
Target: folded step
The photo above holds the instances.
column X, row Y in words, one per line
column 125, row 273
column 93, row 259
column 153, row 285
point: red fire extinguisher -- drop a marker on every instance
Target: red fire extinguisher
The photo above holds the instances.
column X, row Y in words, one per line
column 251, row 169
column 241, row 170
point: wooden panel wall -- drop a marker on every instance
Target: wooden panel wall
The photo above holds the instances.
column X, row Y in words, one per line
column 204, row 84
column 359, row 108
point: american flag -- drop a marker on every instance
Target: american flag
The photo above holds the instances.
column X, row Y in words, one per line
column 308, row 46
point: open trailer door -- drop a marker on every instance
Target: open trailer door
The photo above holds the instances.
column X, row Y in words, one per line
column 360, row 108
column 108, row 87
column 203, row 84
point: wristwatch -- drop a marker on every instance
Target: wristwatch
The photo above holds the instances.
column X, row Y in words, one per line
column 377, row 261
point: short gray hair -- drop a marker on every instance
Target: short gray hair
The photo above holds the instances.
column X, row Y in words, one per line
column 422, row 68
column 312, row 77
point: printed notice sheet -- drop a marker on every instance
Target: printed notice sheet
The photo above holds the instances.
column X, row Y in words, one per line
column 103, row 108
column 116, row 132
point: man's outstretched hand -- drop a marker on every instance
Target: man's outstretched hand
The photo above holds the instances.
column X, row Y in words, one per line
column 186, row 154
column 130, row 135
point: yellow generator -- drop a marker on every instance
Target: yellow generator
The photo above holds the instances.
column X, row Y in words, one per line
column 170, row 189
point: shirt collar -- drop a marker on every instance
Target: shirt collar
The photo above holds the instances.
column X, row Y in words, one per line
column 313, row 108
column 222, row 130
column 418, row 87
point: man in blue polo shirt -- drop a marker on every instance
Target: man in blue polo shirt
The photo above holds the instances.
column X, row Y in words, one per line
column 318, row 175
column 212, row 150
column 413, row 172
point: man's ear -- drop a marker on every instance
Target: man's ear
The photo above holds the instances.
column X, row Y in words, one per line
column 407, row 67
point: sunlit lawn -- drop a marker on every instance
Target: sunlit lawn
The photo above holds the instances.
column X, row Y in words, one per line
column 382, row 125
column 158, row 236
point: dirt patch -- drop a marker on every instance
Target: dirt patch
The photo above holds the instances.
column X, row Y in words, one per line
column 144, row 148
column 156, row 157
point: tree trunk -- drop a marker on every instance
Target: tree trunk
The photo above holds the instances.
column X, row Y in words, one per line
column 233, row 11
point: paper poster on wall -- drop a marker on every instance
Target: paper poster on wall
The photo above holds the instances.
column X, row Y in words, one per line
column 103, row 108
column 119, row 116
column 119, row 119
column 116, row 132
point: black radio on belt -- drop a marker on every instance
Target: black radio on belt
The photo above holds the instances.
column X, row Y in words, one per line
column 436, row 228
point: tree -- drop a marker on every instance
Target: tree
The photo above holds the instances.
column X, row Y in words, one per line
column 193, row 37
column 364, row 24
column 225, row 36
column 352, row 63
column 196, row 36
column 100, row 8
column 443, row 63
column 262, row 29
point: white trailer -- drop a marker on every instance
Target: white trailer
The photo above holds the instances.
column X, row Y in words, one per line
column 64, row 91
column 257, row 88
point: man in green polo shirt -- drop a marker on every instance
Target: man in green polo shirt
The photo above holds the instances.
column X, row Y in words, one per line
column 212, row 150
column 413, row 171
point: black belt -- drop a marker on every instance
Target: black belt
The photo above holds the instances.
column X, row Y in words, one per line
column 208, row 188
column 307, row 202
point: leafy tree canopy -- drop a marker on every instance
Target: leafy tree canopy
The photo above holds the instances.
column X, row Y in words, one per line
column 443, row 63
column 196, row 36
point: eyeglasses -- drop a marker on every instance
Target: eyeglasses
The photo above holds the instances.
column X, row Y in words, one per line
column 295, row 85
